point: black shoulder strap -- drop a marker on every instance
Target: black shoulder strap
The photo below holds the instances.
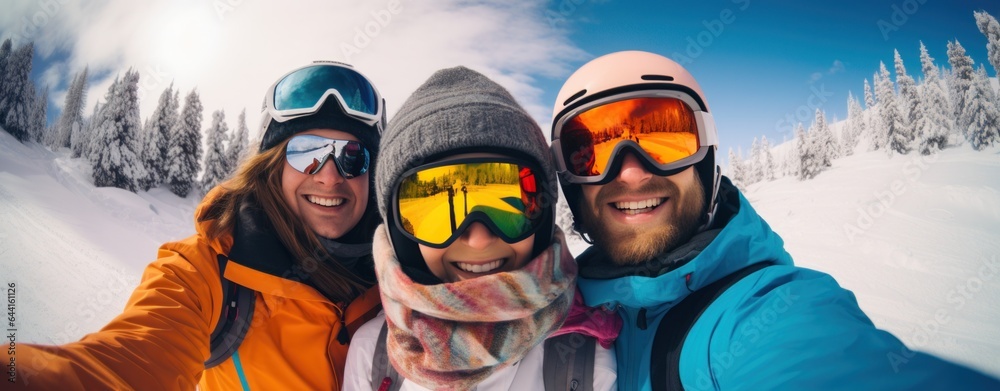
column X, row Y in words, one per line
column 569, row 363
column 664, row 365
column 384, row 376
column 234, row 321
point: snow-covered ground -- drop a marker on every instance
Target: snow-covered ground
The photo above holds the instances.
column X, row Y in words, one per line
column 75, row 252
column 914, row 238
column 917, row 238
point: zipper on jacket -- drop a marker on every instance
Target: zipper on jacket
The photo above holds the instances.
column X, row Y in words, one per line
column 640, row 320
column 343, row 336
column 628, row 378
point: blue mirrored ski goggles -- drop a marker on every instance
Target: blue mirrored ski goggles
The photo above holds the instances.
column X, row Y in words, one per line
column 303, row 91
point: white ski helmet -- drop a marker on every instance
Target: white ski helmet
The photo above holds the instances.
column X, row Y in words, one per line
column 628, row 75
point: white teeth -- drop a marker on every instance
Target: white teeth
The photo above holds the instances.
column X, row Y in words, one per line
column 635, row 207
column 479, row 268
column 326, row 201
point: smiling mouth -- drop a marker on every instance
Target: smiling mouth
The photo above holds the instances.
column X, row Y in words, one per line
column 480, row 267
column 638, row 207
column 325, row 201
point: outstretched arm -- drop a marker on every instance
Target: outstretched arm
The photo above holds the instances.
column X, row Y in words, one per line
column 160, row 341
column 798, row 329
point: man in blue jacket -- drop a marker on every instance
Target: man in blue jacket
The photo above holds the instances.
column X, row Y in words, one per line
column 635, row 144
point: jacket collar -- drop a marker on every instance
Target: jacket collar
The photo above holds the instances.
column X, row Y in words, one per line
column 740, row 240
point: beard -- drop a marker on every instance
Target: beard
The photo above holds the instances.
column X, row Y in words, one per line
column 633, row 245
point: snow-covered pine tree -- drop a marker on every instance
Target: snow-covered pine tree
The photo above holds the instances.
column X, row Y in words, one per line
column 984, row 119
column 216, row 165
column 767, row 160
column 790, row 163
column 564, row 217
column 147, row 152
column 923, row 125
column 79, row 142
column 854, row 125
column 18, row 97
column 989, row 26
column 888, row 108
column 736, row 171
column 72, row 113
column 115, row 162
column 932, row 133
column 809, row 163
column 962, row 74
column 870, row 115
column 184, row 151
column 826, row 148
column 909, row 108
column 5, row 50
column 38, row 128
column 157, row 132
column 98, row 120
column 752, row 166
column 238, row 143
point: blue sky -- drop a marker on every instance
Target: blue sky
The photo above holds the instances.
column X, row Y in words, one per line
column 759, row 68
column 760, row 64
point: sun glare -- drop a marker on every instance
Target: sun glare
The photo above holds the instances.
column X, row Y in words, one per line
column 187, row 39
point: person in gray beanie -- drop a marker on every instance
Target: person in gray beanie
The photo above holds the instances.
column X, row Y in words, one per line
column 459, row 110
column 473, row 273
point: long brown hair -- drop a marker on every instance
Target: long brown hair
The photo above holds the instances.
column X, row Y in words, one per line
column 258, row 180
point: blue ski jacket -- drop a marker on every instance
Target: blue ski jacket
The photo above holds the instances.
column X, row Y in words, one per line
column 782, row 327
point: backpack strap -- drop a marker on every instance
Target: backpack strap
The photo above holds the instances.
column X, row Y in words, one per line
column 664, row 365
column 569, row 363
column 234, row 321
column 384, row 375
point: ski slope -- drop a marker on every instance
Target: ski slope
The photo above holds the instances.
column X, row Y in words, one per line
column 924, row 263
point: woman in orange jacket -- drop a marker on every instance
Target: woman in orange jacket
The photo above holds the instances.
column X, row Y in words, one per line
column 291, row 228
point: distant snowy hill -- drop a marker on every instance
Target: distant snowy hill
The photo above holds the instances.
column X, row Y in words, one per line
column 925, row 266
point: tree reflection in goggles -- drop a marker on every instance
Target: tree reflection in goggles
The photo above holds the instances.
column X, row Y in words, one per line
column 436, row 202
column 663, row 127
column 307, row 154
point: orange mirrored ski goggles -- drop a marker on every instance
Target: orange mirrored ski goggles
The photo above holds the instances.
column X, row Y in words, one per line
column 663, row 131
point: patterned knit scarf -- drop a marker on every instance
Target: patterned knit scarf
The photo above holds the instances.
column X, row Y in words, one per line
column 454, row 335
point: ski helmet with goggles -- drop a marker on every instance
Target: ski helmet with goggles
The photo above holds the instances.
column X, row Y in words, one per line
column 323, row 94
column 637, row 102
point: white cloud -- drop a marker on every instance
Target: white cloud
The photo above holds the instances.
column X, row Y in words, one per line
column 837, row 66
column 232, row 50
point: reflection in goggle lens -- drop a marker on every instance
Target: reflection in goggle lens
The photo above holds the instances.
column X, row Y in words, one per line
column 433, row 202
column 304, row 88
column 307, row 154
column 663, row 127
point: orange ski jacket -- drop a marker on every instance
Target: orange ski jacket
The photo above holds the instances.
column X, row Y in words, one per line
column 161, row 340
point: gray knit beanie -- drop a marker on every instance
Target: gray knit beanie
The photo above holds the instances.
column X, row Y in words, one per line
column 459, row 110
